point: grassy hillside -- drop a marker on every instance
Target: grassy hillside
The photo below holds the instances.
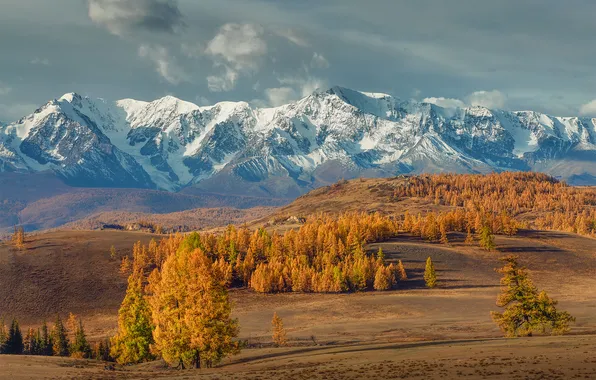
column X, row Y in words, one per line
column 344, row 335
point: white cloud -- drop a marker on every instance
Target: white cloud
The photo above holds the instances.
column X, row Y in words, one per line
column 164, row 62
column 223, row 82
column 304, row 85
column 489, row 99
column 318, row 61
column 588, row 109
column 445, row 102
column 40, row 61
column 280, row 96
column 194, row 50
column 240, row 46
column 240, row 49
column 4, row 89
column 203, row 101
column 292, row 36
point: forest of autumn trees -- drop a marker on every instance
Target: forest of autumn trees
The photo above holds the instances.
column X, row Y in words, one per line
column 325, row 254
column 532, row 199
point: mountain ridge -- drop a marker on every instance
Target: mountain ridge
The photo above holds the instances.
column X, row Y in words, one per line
column 233, row 147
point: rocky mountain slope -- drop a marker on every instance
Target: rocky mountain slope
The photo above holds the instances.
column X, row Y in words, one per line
column 235, row 148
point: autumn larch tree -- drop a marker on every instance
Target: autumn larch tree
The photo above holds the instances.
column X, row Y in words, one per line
column 486, row 238
column 384, row 278
column 443, row 231
column 401, row 271
column 18, row 237
column 125, row 266
column 430, row 275
column 527, row 311
column 60, row 340
column 3, row 336
column 279, row 332
column 31, row 343
column 469, row 237
column 191, row 311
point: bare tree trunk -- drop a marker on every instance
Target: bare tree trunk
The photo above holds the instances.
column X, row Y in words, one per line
column 197, row 361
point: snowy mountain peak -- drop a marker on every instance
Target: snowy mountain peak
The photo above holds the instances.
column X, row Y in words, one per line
column 70, row 97
column 174, row 104
column 233, row 147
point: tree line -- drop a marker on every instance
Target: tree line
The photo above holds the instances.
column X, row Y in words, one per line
column 62, row 339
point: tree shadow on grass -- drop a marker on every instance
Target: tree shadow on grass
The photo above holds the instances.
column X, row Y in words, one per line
column 350, row 348
column 530, row 249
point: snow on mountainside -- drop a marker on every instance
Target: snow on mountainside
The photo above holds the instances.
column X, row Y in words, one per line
column 232, row 147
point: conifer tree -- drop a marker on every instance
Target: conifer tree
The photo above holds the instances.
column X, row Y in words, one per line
column 133, row 342
column 60, row 340
column 31, row 343
column 18, row 237
column 80, row 347
column 487, row 240
column 102, row 350
column 14, row 341
column 125, row 266
column 401, row 271
column 443, row 230
column 45, row 341
column 381, row 255
column 469, row 236
column 279, row 332
column 3, row 336
column 527, row 311
column 71, row 326
column 430, row 276
column 382, row 279
column 191, row 312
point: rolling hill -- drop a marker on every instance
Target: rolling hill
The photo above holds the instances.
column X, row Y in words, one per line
column 72, row 271
column 41, row 201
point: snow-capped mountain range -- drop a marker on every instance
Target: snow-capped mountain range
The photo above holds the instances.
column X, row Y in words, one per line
column 232, row 147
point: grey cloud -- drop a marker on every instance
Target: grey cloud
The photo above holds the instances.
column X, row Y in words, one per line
column 165, row 65
column 121, row 16
column 532, row 51
column 40, row 61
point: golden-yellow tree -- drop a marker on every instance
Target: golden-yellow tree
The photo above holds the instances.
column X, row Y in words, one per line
column 401, row 271
column 486, row 238
column 18, row 237
column 279, row 332
column 430, row 275
column 191, row 311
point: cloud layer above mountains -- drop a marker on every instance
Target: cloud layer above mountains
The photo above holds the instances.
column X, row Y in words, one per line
column 506, row 54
